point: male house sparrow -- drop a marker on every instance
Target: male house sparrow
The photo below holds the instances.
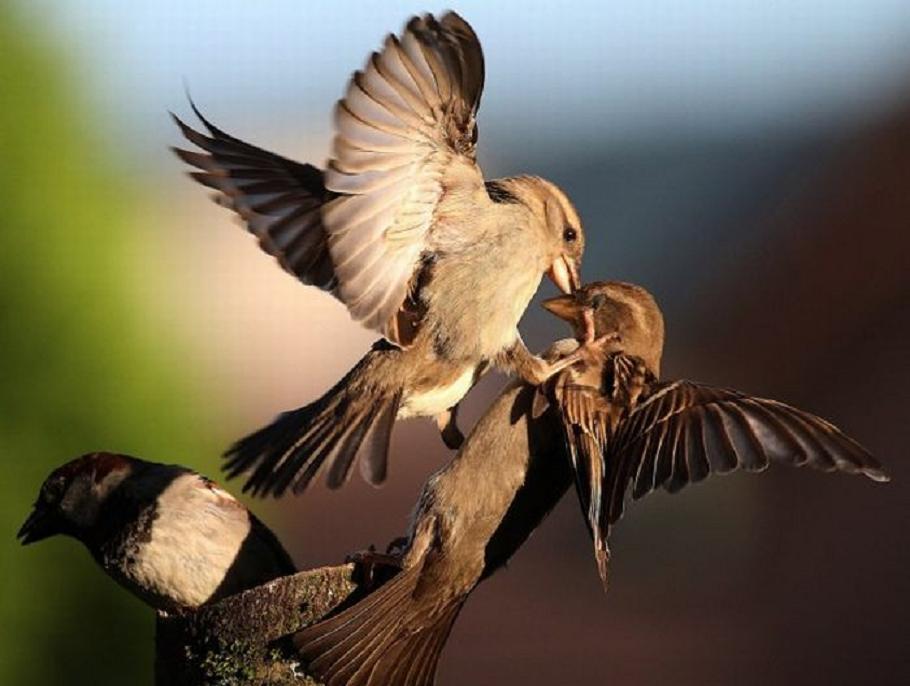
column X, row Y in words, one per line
column 627, row 429
column 403, row 229
column 167, row 534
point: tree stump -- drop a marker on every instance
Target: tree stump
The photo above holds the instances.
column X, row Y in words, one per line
column 245, row 639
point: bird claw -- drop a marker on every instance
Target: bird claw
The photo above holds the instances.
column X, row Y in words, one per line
column 589, row 339
column 598, row 344
column 397, row 547
column 372, row 568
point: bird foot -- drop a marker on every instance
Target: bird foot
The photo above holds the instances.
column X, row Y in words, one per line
column 373, row 568
column 589, row 340
column 586, row 348
column 599, row 344
column 397, row 547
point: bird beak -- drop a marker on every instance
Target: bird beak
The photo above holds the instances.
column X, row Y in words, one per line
column 40, row 524
column 563, row 306
column 564, row 273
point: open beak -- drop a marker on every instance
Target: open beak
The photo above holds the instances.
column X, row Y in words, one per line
column 39, row 525
column 564, row 273
column 563, row 306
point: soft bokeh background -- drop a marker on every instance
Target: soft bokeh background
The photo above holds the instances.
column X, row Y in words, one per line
column 747, row 161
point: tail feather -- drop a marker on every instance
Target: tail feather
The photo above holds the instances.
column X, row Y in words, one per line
column 387, row 638
column 353, row 419
column 320, row 641
column 293, row 466
column 373, row 463
column 342, row 454
column 349, row 645
column 416, row 664
column 351, row 662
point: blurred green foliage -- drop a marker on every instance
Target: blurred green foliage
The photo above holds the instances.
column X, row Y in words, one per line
column 81, row 369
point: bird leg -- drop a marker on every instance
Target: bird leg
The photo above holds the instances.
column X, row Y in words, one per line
column 518, row 360
column 521, row 362
column 447, row 423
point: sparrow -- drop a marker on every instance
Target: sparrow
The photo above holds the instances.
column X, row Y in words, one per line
column 403, row 229
column 626, row 429
column 168, row 535
column 470, row 519
column 516, row 464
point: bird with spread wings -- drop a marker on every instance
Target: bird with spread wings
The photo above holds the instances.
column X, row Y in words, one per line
column 403, row 229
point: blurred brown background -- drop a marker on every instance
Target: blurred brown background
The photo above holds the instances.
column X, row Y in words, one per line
column 747, row 162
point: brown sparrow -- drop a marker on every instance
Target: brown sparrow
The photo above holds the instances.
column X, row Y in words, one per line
column 167, row 534
column 471, row 518
column 403, row 229
column 628, row 430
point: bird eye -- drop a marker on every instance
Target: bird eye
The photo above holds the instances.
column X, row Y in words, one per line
column 53, row 491
column 570, row 235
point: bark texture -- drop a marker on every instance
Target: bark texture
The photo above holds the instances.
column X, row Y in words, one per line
column 244, row 639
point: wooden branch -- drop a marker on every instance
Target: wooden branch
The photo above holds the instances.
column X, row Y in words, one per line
column 244, row 639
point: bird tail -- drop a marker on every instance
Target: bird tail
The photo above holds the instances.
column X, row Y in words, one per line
column 354, row 418
column 383, row 639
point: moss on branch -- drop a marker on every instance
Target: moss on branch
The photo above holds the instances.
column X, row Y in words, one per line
column 244, row 639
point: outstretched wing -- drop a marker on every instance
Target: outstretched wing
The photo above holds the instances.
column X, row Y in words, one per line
column 684, row 431
column 405, row 138
column 405, row 135
column 280, row 201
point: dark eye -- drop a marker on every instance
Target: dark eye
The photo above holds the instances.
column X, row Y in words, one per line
column 53, row 491
column 570, row 235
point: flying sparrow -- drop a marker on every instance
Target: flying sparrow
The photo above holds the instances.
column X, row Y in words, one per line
column 628, row 430
column 167, row 534
column 403, row 229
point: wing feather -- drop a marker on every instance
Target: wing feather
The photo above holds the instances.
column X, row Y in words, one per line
column 405, row 132
column 683, row 431
column 406, row 120
column 278, row 200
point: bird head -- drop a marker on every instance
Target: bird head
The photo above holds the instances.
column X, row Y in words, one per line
column 618, row 309
column 557, row 222
column 71, row 498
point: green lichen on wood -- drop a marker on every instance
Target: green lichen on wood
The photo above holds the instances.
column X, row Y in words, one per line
column 244, row 639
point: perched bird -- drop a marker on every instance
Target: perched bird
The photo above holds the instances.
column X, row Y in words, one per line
column 403, row 229
column 167, row 534
column 627, row 429
column 471, row 518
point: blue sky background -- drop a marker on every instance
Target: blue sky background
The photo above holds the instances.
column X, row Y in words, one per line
column 580, row 71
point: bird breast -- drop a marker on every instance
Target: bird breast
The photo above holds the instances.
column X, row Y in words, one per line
column 477, row 296
column 431, row 401
column 195, row 536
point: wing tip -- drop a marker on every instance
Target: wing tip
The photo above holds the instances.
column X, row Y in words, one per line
column 877, row 474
